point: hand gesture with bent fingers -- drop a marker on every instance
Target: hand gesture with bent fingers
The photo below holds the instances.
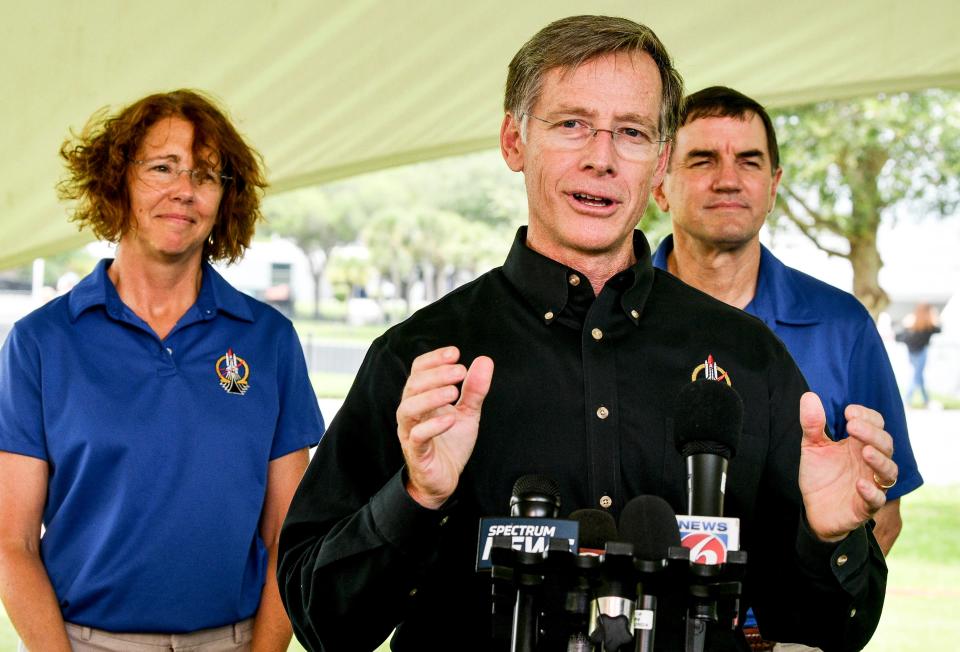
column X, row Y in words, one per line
column 843, row 482
column 437, row 424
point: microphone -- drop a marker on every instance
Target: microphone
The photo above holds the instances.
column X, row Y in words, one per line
column 533, row 496
column 707, row 421
column 650, row 524
column 611, row 612
column 708, row 418
column 597, row 527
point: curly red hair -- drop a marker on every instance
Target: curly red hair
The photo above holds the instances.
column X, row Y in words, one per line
column 97, row 161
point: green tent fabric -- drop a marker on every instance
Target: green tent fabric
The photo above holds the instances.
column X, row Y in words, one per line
column 330, row 89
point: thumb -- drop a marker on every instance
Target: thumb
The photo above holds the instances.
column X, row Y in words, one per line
column 476, row 384
column 813, row 419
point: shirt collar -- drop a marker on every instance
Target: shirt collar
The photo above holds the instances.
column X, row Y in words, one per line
column 777, row 298
column 544, row 282
column 216, row 295
column 662, row 254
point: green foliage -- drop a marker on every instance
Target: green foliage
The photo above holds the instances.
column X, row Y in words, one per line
column 849, row 164
column 858, row 157
column 436, row 222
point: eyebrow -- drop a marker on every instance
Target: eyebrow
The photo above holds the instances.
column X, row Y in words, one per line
column 168, row 157
column 712, row 153
column 587, row 113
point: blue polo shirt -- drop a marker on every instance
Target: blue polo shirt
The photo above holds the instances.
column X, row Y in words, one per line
column 834, row 341
column 157, row 449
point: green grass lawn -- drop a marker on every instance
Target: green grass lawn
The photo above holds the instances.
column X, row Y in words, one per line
column 922, row 610
column 922, row 607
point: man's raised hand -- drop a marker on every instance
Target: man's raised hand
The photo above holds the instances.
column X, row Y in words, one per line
column 437, row 424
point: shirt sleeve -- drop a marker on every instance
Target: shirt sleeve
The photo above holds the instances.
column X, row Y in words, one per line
column 354, row 540
column 803, row 590
column 299, row 422
column 21, row 398
column 873, row 384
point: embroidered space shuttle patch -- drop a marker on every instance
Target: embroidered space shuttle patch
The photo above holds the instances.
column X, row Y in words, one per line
column 711, row 371
column 234, row 373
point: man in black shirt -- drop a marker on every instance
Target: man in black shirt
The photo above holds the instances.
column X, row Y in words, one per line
column 591, row 347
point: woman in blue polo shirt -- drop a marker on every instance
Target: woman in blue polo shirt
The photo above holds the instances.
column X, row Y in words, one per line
column 154, row 420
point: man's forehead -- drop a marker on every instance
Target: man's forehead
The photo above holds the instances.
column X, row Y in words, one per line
column 712, row 131
column 637, row 79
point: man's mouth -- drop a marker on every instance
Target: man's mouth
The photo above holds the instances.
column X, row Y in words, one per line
column 592, row 200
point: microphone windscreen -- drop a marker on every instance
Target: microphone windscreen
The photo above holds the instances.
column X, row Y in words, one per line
column 596, row 528
column 708, row 418
column 535, row 496
column 650, row 524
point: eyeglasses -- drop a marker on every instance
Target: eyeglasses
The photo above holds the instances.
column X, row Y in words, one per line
column 161, row 173
column 632, row 143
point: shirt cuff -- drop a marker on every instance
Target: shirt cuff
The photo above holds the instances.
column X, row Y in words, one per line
column 401, row 520
column 832, row 563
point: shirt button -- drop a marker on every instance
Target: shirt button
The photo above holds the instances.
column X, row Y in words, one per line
column 169, row 350
column 635, row 314
column 841, row 560
column 413, row 592
column 603, row 412
column 597, row 334
column 574, row 280
column 606, row 502
column 548, row 315
column 853, row 612
column 443, row 521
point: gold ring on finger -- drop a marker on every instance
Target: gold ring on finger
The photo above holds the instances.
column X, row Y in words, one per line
column 876, row 481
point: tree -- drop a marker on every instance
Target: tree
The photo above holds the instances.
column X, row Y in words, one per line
column 316, row 222
column 850, row 164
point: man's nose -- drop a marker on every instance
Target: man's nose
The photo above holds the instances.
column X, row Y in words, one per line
column 600, row 152
column 727, row 176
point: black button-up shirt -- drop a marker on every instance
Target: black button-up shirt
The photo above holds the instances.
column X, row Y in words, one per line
column 583, row 392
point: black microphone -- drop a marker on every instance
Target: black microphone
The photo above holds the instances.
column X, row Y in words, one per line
column 534, row 496
column 597, row 527
column 707, row 421
column 611, row 612
column 650, row 524
column 708, row 418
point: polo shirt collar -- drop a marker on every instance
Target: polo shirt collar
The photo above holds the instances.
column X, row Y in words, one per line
column 216, row 295
column 544, row 282
column 778, row 297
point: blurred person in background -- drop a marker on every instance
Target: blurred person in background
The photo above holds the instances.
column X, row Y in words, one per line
column 918, row 327
column 154, row 420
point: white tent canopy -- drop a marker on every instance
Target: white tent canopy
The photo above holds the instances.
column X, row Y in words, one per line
column 329, row 89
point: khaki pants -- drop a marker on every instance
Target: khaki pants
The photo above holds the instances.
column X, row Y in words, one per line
column 794, row 647
column 230, row 638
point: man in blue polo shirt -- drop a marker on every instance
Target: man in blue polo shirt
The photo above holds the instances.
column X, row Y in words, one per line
column 720, row 185
column 154, row 420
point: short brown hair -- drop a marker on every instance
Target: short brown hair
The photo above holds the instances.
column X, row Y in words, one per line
column 569, row 42
column 97, row 161
column 724, row 102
